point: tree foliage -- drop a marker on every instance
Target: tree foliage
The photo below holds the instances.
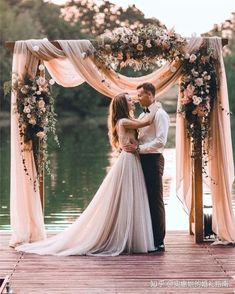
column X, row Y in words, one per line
column 33, row 19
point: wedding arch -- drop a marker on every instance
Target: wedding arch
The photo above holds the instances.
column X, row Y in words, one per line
column 202, row 125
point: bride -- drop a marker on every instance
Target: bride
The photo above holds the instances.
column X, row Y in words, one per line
column 117, row 220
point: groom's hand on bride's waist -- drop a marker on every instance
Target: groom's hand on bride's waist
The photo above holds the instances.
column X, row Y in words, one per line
column 132, row 148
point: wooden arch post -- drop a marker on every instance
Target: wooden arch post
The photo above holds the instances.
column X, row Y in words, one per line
column 196, row 213
column 196, row 219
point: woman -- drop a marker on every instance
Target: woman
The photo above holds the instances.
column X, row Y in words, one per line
column 117, row 219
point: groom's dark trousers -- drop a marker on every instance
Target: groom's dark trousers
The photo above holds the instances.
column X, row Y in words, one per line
column 153, row 166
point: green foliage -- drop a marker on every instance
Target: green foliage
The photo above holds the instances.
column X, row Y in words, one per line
column 98, row 16
column 7, row 87
column 33, row 19
column 230, row 73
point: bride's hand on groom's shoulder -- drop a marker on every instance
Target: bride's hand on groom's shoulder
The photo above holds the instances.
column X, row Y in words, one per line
column 150, row 116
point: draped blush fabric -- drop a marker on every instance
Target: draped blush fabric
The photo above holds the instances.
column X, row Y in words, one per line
column 25, row 206
column 221, row 164
column 69, row 68
column 117, row 219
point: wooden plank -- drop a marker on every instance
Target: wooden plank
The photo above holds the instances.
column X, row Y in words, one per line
column 183, row 261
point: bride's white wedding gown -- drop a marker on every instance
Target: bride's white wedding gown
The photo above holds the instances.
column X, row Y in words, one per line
column 117, row 220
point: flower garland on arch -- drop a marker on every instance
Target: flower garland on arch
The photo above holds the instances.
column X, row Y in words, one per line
column 37, row 118
column 143, row 48
column 198, row 90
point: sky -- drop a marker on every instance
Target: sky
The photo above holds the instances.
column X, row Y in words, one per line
column 186, row 16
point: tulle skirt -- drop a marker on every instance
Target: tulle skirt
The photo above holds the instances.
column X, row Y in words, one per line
column 116, row 221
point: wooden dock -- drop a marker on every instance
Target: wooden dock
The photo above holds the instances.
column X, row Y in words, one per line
column 185, row 267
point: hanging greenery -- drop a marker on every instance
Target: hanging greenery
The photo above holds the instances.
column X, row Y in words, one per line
column 35, row 106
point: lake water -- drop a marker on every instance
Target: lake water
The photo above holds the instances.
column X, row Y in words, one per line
column 78, row 168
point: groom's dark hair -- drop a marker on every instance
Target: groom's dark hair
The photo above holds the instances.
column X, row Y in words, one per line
column 148, row 87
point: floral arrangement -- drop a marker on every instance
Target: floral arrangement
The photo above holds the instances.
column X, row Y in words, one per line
column 35, row 106
column 198, row 87
column 141, row 48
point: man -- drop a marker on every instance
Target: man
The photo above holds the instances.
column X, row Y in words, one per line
column 152, row 140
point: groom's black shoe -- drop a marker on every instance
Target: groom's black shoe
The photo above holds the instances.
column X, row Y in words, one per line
column 158, row 248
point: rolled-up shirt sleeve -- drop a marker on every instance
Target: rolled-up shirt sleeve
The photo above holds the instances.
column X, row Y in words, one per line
column 161, row 122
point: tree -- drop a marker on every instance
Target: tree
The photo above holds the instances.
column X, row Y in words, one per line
column 95, row 17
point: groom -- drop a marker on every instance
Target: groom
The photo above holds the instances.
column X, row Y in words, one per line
column 152, row 140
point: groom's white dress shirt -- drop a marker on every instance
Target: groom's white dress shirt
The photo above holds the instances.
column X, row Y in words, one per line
column 152, row 138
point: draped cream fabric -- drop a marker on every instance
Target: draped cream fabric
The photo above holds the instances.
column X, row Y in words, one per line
column 70, row 69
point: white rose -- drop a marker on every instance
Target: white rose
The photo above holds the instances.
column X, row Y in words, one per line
column 192, row 58
column 128, row 31
column 199, row 82
column 135, row 40
column 41, row 67
column 41, row 81
column 197, row 100
column 51, row 82
column 38, row 93
column 35, row 48
column 195, row 73
column 148, row 44
column 124, row 40
column 26, row 109
column 118, row 30
column 186, row 56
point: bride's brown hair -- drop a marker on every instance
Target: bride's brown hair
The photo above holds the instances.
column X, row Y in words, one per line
column 118, row 109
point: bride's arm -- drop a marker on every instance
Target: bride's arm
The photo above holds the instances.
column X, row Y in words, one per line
column 135, row 123
column 139, row 123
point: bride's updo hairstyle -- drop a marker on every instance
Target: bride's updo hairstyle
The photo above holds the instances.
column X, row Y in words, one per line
column 118, row 109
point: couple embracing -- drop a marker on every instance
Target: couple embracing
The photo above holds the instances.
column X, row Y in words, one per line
column 127, row 213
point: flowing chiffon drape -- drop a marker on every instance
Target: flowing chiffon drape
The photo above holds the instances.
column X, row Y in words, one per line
column 116, row 220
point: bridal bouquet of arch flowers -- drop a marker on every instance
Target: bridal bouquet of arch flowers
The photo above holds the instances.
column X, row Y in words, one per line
column 35, row 106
